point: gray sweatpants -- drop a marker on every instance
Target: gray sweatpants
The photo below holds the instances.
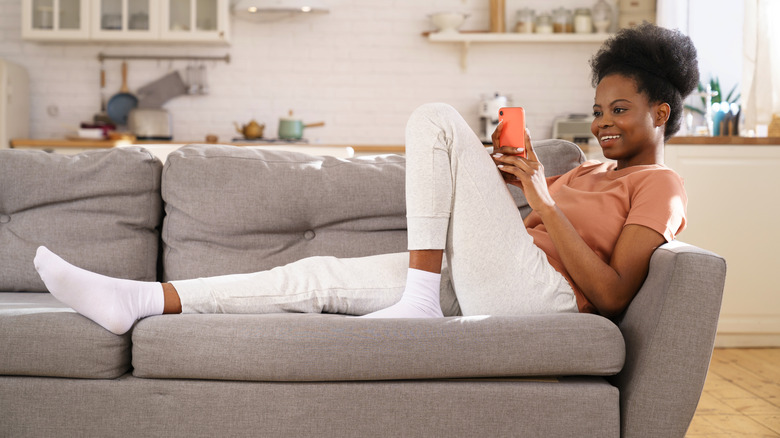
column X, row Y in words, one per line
column 457, row 201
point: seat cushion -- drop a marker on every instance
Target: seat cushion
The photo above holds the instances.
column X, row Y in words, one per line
column 40, row 336
column 311, row 347
column 100, row 210
column 234, row 210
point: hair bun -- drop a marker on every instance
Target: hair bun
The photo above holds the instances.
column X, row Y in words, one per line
column 665, row 53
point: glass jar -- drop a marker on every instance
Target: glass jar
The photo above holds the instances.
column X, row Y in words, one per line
column 562, row 21
column 544, row 23
column 583, row 22
column 602, row 16
column 525, row 21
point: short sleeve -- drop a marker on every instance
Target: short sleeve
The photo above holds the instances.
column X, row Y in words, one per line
column 659, row 202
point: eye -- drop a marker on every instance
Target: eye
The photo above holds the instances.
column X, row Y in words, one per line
column 619, row 110
column 596, row 113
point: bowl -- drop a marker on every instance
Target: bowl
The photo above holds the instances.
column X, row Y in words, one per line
column 448, row 22
column 91, row 133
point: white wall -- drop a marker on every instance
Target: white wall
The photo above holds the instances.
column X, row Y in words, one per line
column 362, row 69
column 716, row 28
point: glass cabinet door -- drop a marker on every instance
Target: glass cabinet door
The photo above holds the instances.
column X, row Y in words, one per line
column 206, row 15
column 70, row 14
column 55, row 19
column 43, row 14
column 124, row 19
column 195, row 20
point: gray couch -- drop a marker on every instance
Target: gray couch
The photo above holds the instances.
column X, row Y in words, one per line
column 221, row 209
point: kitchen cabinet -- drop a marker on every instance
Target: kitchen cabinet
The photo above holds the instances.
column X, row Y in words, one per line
column 194, row 20
column 466, row 39
column 733, row 211
column 129, row 20
column 197, row 21
column 48, row 20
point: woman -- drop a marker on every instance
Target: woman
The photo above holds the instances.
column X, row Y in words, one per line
column 585, row 247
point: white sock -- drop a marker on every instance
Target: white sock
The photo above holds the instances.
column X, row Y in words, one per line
column 419, row 300
column 113, row 303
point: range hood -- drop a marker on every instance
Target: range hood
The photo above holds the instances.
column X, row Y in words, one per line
column 256, row 9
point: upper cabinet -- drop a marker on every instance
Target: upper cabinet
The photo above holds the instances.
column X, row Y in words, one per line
column 194, row 20
column 55, row 19
column 124, row 20
column 204, row 21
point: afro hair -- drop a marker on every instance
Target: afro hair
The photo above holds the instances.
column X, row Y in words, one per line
column 661, row 61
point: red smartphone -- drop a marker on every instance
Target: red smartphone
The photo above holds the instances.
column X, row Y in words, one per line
column 513, row 131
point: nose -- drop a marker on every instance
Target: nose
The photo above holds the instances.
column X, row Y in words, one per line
column 604, row 121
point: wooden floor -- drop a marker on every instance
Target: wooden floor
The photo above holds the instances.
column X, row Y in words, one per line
column 741, row 396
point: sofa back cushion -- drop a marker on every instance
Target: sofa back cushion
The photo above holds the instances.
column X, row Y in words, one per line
column 100, row 210
column 233, row 210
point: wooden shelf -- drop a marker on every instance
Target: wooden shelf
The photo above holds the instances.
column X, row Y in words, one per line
column 465, row 39
column 491, row 37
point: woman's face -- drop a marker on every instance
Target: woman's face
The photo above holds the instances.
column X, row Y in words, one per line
column 629, row 129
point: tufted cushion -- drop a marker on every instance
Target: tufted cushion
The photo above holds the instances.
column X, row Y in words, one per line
column 100, row 210
column 232, row 210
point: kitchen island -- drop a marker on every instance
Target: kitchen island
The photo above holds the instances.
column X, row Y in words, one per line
column 734, row 211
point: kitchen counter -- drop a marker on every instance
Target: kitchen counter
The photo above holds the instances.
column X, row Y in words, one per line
column 758, row 141
column 729, row 182
column 71, row 145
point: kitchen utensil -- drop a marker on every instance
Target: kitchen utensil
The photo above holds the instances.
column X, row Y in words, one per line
column 105, row 127
column 292, row 129
column 250, row 131
column 120, row 104
column 498, row 16
column 155, row 94
column 102, row 117
column 204, row 83
column 91, row 133
column 193, row 82
column 150, row 124
column 448, row 22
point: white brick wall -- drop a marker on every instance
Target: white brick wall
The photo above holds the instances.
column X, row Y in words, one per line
column 361, row 69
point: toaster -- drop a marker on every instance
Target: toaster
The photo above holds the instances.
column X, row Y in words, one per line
column 150, row 124
column 574, row 128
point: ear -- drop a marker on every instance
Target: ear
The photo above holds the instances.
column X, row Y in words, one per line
column 662, row 113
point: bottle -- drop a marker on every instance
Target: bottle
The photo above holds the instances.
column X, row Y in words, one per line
column 525, row 21
column 602, row 16
column 544, row 23
column 562, row 20
column 583, row 23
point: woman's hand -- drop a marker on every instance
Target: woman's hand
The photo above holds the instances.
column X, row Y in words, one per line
column 526, row 173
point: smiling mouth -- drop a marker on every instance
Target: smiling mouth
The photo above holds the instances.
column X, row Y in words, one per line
column 609, row 137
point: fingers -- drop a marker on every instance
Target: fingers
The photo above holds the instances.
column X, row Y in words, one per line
column 531, row 154
column 497, row 136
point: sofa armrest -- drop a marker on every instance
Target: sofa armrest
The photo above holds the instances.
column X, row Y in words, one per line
column 669, row 330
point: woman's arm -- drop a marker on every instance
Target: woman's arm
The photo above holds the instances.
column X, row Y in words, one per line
column 609, row 286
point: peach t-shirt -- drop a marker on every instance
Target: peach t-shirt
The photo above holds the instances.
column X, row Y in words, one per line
column 599, row 201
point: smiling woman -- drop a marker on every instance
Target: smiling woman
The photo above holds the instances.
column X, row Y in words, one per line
column 586, row 246
column 627, row 126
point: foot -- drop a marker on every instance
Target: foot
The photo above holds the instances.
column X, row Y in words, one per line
column 419, row 300
column 115, row 304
